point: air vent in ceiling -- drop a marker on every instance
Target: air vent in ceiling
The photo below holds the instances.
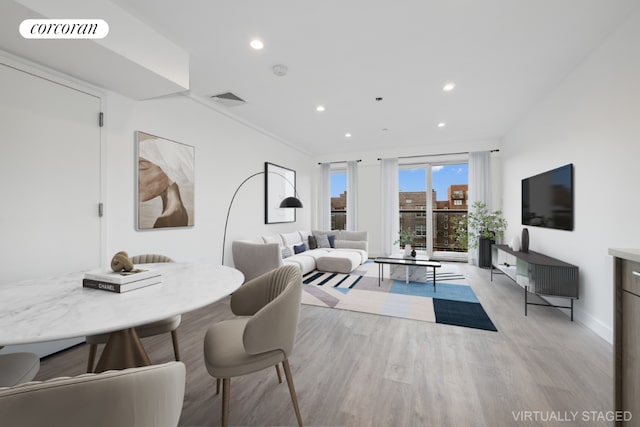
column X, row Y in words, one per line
column 228, row 99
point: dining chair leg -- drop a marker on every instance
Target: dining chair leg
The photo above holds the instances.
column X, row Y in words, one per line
column 92, row 357
column 278, row 372
column 217, row 386
column 292, row 391
column 176, row 348
column 226, row 388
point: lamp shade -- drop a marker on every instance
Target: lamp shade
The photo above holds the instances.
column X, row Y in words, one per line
column 291, row 202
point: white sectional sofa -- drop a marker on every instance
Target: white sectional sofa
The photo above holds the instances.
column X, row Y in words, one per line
column 339, row 251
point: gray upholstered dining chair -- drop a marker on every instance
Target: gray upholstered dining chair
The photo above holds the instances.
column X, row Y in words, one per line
column 18, row 368
column 170, row 324
column 254, row 259
column 150, row 396
column 263, row 337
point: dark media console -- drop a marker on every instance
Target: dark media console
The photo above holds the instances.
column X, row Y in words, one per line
column 538, row 274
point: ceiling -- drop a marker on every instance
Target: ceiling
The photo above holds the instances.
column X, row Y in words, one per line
column 503, row 56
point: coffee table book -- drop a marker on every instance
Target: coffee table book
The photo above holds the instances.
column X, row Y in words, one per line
column 121, row 287
column 120, row 277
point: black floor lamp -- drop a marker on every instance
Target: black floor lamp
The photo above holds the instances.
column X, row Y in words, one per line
column 288, row 202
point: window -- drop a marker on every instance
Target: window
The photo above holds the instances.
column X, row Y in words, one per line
column 431, row 198
column 338, row 200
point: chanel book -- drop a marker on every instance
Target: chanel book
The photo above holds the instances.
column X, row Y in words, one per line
column 120, row 288
column 120, row 277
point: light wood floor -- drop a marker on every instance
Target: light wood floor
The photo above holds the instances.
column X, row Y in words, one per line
column 356, row 369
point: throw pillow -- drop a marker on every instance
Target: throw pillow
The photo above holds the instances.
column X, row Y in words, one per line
column 298, row 249
column 313, row 244
column 332, row 240
column 286, row 253
column 323, row 241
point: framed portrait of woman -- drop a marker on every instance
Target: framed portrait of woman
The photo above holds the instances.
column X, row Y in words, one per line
column 165, row 176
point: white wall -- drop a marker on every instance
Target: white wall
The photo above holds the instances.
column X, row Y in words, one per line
column 592, row 120
column 226, row 152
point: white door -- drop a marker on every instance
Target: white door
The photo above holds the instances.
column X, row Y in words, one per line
column 49, row 177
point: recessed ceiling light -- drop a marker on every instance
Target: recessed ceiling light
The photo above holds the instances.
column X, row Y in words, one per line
column 256, row 44
column 441, row 124
column 320, row 108
column 347, row 135
column 449, row 87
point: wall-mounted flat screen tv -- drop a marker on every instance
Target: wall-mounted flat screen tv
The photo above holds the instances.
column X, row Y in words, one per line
column 547, row 199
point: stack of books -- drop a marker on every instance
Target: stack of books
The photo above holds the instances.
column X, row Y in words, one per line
column 121, row 281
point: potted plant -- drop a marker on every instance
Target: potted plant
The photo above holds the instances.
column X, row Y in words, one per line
column 406, row 237
column 488, row 227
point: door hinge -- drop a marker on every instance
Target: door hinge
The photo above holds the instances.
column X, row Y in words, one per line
column 101, row 209
column 101, row 119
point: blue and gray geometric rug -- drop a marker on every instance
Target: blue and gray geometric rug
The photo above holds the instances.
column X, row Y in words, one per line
column 451, row 303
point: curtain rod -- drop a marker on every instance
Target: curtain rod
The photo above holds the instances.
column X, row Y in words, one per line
column 339, row 161
column 442, row 154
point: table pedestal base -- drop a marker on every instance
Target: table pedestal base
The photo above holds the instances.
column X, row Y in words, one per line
column 123, row 350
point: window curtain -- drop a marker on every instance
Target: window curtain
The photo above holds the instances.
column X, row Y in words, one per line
column 390, row 204
column 352, row 195
column 479, row 189
column 324, row 198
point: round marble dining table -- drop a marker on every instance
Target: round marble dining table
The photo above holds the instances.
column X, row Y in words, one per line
column 55, row 308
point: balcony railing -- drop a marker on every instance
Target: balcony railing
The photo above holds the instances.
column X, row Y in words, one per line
column 338, row 219
column 444, row 238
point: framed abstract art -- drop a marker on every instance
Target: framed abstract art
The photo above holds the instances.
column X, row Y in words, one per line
column 279, row 183
column 165, row 176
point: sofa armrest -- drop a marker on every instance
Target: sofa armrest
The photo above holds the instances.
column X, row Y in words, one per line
column 254, row 259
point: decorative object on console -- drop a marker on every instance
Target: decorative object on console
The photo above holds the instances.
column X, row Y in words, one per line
column 525, row 241
column 166, row 178
column 279, row 192
column 290, row 202
column 515, row 244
